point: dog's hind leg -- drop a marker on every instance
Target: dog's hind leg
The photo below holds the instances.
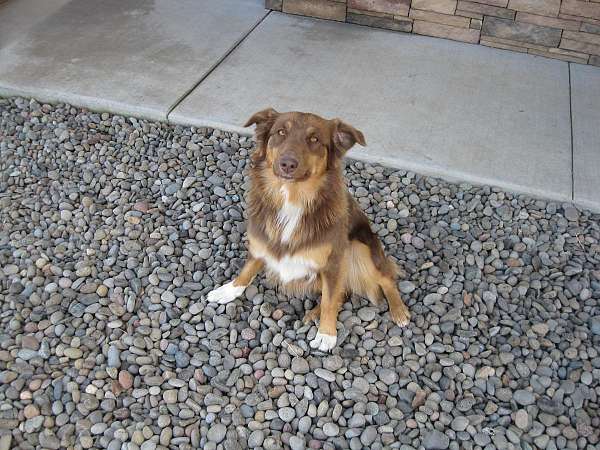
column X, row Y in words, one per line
column 232, row 290
column 398, row 309
column 366, row 279
column 312, row 315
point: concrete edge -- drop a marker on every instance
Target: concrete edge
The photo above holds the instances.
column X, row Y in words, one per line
column 176, row 119
column 462, row 177
column 82, row 101
column 399, row 163
column 586, row 204
column 356, row 154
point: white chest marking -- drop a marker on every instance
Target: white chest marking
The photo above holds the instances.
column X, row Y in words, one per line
column 288, row 217
column 289, row 268
column 292, row 268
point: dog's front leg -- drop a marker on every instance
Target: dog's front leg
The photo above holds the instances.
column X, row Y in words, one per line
column 333, row 280
column 232, row 290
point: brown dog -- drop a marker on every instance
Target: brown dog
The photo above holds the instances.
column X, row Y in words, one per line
column 304, row 227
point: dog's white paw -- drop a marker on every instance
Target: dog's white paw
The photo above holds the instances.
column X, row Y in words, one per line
column 323, row 342
column 225, row 294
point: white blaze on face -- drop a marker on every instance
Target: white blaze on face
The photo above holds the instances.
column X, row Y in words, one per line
column 288, row 216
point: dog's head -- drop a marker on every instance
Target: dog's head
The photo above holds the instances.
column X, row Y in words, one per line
column 298, row 146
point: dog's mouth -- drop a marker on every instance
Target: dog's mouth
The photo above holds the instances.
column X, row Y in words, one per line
column 285, row 176
column 293, row 178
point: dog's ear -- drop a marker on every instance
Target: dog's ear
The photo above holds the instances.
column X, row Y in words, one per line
column 344, row 136
column 264, row 122
column 262, row 116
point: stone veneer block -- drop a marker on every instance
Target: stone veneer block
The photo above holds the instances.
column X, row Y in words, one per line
column 577, row 18
column 502, row 46
column 525, row 45
column 439, row 6
column 548, row 21
column 476, row 24
column 470, row 14
column 274, row 4
column 590, row 28
column 580, row 8
column 446, row 31
column 499, row 3
column 323, row 9
column 366, row 13
column 444, row 19
column 404, row 25
column 560, row 51
column 562, row 57
column 523, row 32
column 594, row 60
column 542, row 7
column 577, row 46
column 582, row 37
column 486, row 9
column 395, row 7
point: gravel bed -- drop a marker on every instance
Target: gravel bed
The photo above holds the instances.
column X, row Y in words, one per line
column 113, row 230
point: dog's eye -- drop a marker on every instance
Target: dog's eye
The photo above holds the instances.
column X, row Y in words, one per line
column 313, row 139
column 281, row 132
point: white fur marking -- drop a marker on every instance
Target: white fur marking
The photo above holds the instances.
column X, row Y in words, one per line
column 323, row 342
column 226, row 293
column 289, row 216
column 292, row 268
column 289, row 268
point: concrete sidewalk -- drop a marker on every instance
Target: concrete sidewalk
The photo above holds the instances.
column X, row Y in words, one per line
column 135, row 57
column 459, row 111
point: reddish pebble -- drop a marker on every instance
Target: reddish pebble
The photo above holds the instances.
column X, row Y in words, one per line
column 31, row 411
column 314, row 444
column 30, row 342
column 277, row 314
column 200, row 376
column 468, row 299
column 125, row 379
column 34, row 385
column 248, row 334
column 141, row 207
column 30, row 327
column 115, row 387
column 259, row 374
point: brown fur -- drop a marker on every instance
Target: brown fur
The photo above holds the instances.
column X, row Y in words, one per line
column 333, row 233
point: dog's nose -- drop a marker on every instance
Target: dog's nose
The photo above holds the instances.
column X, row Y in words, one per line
column 288, row 164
